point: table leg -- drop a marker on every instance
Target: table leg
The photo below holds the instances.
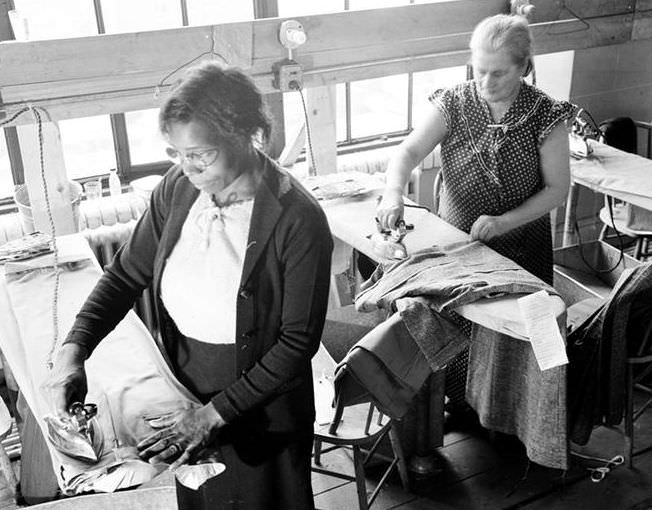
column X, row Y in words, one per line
column 570, row 215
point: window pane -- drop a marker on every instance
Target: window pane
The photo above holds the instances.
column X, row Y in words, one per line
column 140, row 15
column 305, row 7
column 87, row 146
column 426, row 82
column 379, row 105
column 204, row 12
column 54, row 20
column 6, row 180
column 356, row 5
column 145, row 142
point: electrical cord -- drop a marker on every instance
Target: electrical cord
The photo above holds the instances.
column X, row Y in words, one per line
column 48, row 206
column 620, row 244
column 49, row 361
column 312, row 165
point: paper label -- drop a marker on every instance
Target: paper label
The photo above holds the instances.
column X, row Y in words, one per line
column 543, row 330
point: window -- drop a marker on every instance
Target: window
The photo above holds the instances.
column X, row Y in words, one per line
column 365, row 110
column 426, row 82
column 130, row 16
column 202, row 12
column 46, row 19
column 379, row 106
column 87, row 146
column 145, row 143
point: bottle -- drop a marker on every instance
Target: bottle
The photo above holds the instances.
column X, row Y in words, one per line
column 115, row 188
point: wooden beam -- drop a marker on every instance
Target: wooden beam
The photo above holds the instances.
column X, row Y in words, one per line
column 119, row 72
column 320, row 103
column 54, row 181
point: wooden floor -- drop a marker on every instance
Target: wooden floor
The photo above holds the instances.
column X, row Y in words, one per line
column 482, row 471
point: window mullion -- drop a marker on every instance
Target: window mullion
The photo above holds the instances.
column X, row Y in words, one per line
column 184, row 12
column 410, row 96
column 121, row 144
column 15, row 158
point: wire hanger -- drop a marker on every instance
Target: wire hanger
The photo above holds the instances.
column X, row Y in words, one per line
column 212, row 52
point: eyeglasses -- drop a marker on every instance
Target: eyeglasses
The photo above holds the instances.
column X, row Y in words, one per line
column 200, row 159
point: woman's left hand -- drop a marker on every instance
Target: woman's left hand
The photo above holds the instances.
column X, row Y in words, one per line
column 487, row 227
column 180, row 435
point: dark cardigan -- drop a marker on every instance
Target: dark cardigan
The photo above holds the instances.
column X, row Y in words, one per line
column 281, row 304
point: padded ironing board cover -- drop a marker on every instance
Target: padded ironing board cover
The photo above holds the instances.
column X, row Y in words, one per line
column 127, row 375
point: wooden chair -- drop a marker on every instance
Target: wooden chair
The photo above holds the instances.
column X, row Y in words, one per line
column 355, row 423
column 360, row 428
column 639, row 368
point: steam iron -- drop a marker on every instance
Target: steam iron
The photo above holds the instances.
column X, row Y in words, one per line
column 78, row 435
column 388, row 244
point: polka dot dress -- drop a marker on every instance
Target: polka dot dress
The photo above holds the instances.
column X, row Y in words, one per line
column 492, row 167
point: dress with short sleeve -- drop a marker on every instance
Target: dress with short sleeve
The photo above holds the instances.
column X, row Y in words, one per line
column 491, row 168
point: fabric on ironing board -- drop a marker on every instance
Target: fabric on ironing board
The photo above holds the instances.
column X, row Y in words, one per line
column 127, row 376
column 526, row 402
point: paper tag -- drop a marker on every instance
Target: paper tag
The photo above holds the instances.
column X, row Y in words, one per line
column 324, row 395
column 543, row 330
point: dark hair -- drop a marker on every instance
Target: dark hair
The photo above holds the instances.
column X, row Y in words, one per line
column 505, row 32
column 226, row 101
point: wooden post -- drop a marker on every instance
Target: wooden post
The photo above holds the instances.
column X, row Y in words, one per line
column 320, row 103
column 56, row 180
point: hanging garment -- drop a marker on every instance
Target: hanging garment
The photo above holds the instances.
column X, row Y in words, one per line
column 598, row 350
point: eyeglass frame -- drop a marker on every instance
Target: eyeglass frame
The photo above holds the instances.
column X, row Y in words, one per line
column 194, row 157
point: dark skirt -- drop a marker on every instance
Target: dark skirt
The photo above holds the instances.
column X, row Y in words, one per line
column 264, row 470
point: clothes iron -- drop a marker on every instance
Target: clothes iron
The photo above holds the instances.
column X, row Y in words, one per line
column 77, row 435
column 388, row 244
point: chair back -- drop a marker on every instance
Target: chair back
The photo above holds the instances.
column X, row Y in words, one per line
column 620, row 132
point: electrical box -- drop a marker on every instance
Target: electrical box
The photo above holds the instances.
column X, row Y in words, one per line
column 288, row 75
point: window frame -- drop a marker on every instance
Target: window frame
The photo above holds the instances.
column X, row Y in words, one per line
column 129, row 171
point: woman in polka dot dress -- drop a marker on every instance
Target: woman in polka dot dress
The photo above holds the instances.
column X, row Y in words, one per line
column 504, row 150
column 505, row 166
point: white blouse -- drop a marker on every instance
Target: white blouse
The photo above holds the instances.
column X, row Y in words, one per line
column 200, row 281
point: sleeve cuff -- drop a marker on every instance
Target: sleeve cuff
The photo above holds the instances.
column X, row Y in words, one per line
column 224, row 407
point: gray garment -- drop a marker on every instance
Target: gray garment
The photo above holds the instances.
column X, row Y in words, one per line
column 504, row 385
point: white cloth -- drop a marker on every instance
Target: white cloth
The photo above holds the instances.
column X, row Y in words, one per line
column 199, row 286
column 127, row 376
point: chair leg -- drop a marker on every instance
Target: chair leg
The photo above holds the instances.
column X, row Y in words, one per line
column 603, row 233
column 638, row 248
column 629, row 417
column 317, row 452
column 360, row 480
column 398, row 452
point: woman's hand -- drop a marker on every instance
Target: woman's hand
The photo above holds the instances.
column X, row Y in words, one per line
column 66, row 382
column 180, row 435
column 486, row 228
column 390, row 209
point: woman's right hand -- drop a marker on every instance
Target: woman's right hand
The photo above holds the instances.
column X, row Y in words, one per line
column 390, row 209
column 66, row 382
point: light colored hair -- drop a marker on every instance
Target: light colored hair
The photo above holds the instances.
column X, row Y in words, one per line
column 504, row 32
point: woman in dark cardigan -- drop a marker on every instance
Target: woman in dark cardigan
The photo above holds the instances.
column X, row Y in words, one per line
column 238, row 256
